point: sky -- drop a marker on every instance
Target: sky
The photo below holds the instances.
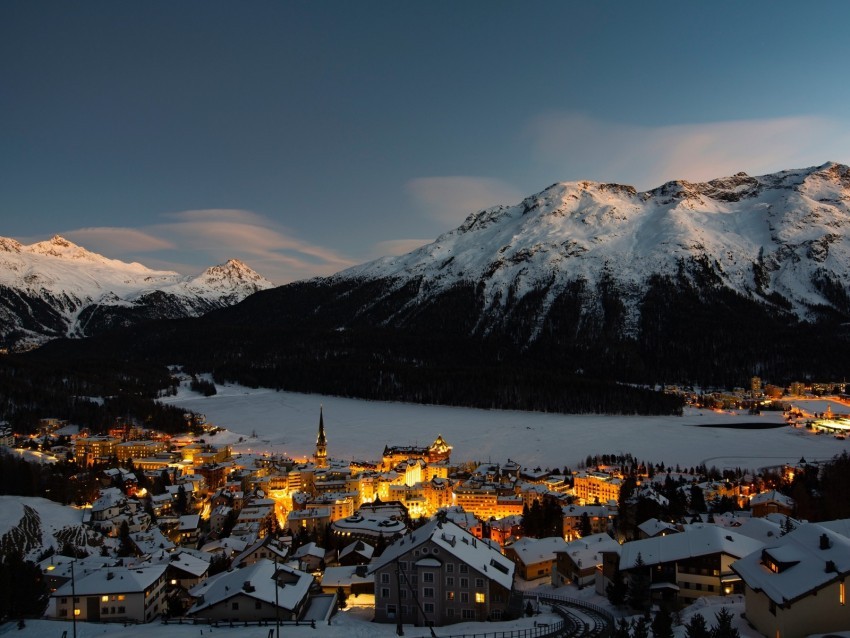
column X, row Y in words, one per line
column 306, row 137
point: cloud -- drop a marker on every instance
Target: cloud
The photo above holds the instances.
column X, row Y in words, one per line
column 449, row 200
column 272, row 250
column 581, row 147
column 115, row 241
column 189, row 241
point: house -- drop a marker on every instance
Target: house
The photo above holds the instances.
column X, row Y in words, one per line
column 116, row 594
column 357, row 553
column 796, row 586
column 441, row 574
column 581, row 559
column 534, row 557
column 653, row 527
column 597, row 517
column 310, row 557
column 686, row 565
column 771, row 502
column 189, row 529
column 252, row 593
column 263, row 548
column 352, row 578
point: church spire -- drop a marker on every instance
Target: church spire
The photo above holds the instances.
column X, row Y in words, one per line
column 321, row 454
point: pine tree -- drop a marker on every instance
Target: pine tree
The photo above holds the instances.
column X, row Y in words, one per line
column 341, row 598
column 724, row 628
column 640, row 629
column 584, row 525
column 617, row 589
column 662, row 624
column 697, row 628
column 638, row 590
column 622, row 630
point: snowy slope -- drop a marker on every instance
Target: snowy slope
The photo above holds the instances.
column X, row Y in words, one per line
column 52, row 288
column 32, row 524
column 780, row 234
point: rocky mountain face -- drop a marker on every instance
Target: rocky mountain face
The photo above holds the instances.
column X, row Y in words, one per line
column 58, row 289
column 781, row 240
column 707, row 283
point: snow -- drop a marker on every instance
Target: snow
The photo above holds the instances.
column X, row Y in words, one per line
column 287, row 422
column 53, row 516
column 792, row 221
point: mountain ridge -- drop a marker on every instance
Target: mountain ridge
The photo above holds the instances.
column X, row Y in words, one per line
column 56, row 288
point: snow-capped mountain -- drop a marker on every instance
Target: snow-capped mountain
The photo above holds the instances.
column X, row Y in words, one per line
column 781, row 239
column 55, row 289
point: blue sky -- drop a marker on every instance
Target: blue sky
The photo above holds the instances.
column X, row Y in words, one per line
column 304, row 137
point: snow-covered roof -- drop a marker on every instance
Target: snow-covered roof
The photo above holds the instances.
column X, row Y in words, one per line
column 537, row 550
column 698, row 542
column 588, row 549
column 185, row 561
column 654, row 527
column 375, row 524
column 806, row 559
column 772, row 496
column 189, row 522
column 151, row 541
column 112, row 580
column 256, row 581
column 266, row 542
column 364, row 549
column 310, row 549
column 457, row 542
column 344, row 576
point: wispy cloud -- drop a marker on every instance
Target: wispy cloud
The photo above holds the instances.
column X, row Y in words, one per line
column 577, row 146
column 189, row 241
column 115, row 241
column 449, row 200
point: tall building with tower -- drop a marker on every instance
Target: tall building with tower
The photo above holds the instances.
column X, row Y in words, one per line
column 320, row 456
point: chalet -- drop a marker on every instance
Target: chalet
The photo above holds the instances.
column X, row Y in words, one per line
column 581, row 560
column 252, row 593
column 772, row 502
column 534, row 557
column 685, row 566
column 796, row 586
column 116, row 594
column 441, row 574
column 263, row 548
column 353, row 579
column 356, row 553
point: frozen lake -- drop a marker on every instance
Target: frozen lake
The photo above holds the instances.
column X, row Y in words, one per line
column 357, row 429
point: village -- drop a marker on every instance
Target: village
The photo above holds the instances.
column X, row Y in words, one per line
column 180, row 529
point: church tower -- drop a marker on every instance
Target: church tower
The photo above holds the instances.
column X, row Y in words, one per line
column 320, row 456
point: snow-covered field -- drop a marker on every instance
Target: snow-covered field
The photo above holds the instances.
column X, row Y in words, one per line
column 356, row 429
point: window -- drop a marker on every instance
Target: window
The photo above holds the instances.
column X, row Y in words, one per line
column 467, row 614
column 479, row 582
column 385, row 592
column 429, row 608
column 104, row 610
column 63, row 600
column 121, row 610
column 402, row 565
column 497, row 614
column 428, row 577
column 234, row 606
column 450, row 613
column 842, row 597
column 450, row 568
column 104, row 599
column 402, row 593
column 479, row 596
column 450, row 595
column 63, row 612
column 464, row 582
column 385, row 578
column 428, row 592
column 450, row 581
column 464, row 568
column 464, row 596
column 391, row 611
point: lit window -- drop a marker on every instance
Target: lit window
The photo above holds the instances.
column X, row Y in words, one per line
column 479, row 597
column 104, row 599
column 76, row 612
column 842, row 599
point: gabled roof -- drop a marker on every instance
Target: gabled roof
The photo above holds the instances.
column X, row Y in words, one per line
column 112, row 580
column 537, row 550
column 359, row 547
column 263, row 542
column 808, row 558
column 456, row 541
column 588, row 550
column 697, row 542
column 772, row 496
column 255, row 581
column 654, row 527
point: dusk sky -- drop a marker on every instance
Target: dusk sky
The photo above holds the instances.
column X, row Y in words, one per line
column 305, row 137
